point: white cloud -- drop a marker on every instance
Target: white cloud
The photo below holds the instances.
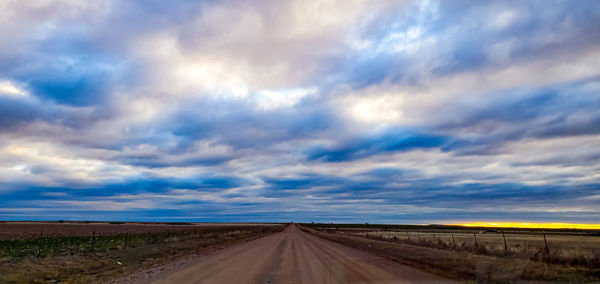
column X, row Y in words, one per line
column 7, row 88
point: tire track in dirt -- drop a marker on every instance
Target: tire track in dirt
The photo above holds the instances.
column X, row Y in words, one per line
column 270, row 274
column 294, row 256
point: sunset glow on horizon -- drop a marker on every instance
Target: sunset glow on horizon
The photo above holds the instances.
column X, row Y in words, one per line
column 532, row 225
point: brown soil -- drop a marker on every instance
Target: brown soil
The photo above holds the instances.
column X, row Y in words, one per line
column 294, row 256
column 27, row 230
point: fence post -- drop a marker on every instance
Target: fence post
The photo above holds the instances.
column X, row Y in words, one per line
column 41, row 233
column 434, row 239
column 168, row 236
column 546, row 244
column 505, row 245
column 407, row 237
column 475, row 238
column 419, row 235
column 93, row 240
column 453, row 242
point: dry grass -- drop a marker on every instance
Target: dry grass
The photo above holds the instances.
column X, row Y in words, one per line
column 579, row 248
column 465, row 263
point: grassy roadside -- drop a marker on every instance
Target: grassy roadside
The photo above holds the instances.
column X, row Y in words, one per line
column 102, row 266
column 564, row 247
column 464, row 265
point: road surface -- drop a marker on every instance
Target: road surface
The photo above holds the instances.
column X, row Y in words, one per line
column 294, row 256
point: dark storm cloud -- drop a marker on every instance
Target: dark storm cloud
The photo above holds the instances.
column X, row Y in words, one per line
column 25, row 193
column 70, row 85
column 390, row 141
column 16, row 111
column 243, row 126
column 156, row 161
column 548, row 112
column 417, row 190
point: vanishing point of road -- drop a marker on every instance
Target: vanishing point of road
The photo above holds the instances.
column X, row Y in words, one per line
column 294, row 256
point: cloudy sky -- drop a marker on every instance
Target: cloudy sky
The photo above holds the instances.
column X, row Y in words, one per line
column 347, row 111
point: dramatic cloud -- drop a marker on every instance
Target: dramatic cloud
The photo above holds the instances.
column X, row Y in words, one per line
column 354, row 111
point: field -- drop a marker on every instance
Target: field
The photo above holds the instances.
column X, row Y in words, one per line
column 29, row 230
column 574, row 253
column 32, row 252
column 99, row 252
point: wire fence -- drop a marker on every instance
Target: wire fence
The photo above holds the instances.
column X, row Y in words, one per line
column 45, row 245
column 556, row 248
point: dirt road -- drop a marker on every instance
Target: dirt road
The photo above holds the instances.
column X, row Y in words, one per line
column 294, row 256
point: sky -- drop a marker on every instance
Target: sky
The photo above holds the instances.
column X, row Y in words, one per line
column 413, row 112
